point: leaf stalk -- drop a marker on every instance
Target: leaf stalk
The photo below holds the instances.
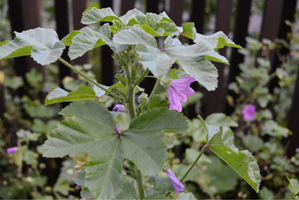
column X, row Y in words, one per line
column 86, row 77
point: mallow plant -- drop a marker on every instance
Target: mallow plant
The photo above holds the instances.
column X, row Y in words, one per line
column 131, row 162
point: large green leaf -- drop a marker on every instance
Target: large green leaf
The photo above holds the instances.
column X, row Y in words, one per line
column 43, row 45
column 91, row 128
column 216, row 41
column 222, row 144
column 87, row 39
column 134, row 35
column 129, row 15
column 94, row 15
column 58, row 95
column 194, row 59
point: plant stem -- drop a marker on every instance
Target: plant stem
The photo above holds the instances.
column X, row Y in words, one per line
column 201, row 152
column 139, row 181
column 141, row 77
column 86, row 77
column 155, row 87
column 131, row 108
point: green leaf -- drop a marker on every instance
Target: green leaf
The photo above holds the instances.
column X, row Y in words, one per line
column 252, row 142
column 216, row 41
column 62, row 186
column 89, row 39
column 155, row 25
column 14, row 82
column 221, row 177
column 197, row 131
column 128, row 192
column 67, row 40
column 43, row 45
column 15, row 48
column 153, row 59
column 273, row 129
column 221, row 143
column 265, row 193
column 155, row 196
column 186, row 196
column 160, row 185
column 189, row 30
column 220, row 119
column 94, row 15
column 129, row 15
column 294, row 186
column 160, row 118
column 58, row 95
column 91, row 128
column 30, row 136
column 134, row 35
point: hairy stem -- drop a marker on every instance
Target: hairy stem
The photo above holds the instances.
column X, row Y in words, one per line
column 141, row 77
column 86, row 77
column 131, row 108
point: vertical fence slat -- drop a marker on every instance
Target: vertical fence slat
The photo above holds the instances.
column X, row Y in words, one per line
column 127, row 5
column 272, row 17
column 152, row 6
column 78, row 8
column 197, row 14
column 287, row 13
column 62, row 28
column 215, row 98
column 25, row 15
column 242, row 15
column 293, row 115
column 106, row 53
column 176, row 11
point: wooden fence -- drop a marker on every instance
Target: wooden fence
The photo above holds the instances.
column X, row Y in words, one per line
column 25, row 15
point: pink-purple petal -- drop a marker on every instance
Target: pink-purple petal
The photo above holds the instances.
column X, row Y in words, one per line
column 178, row 91
column 177, row 185
column 11, row 150
column 249, row 112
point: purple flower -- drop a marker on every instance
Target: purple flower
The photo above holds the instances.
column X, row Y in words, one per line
column 25, row 134
column 118, row 107
column 178, row 90
column 249, row 112
column 11, row 150
column 177, row 185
